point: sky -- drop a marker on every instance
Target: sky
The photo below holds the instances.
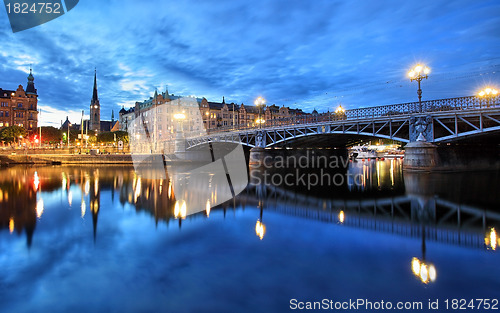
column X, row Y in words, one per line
column 301, row 54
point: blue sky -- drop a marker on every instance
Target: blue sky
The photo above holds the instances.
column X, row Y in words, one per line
column 307, row 54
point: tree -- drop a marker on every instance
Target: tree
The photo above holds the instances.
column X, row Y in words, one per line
column 51, row 134
column 12, row 133
column 108, row 137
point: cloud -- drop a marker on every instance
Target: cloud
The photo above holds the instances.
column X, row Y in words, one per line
column 308, row 53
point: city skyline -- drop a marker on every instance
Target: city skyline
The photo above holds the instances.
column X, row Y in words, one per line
column 297, row 54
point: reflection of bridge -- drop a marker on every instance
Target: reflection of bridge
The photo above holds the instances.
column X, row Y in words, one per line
column 436, row 219
column 441, row 121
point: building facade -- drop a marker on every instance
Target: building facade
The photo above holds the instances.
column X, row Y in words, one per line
column 19, row 107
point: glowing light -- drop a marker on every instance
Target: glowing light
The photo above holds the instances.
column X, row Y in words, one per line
column 415, row 266
column 207, row 208
column 340, row 110
column 417, row 71
column 96, row 186
column 11, row 225
column 36, row 181
column 426, row 272
column 137, row 191
column 64, row 180
column 180, row 209
column 87, row 186
column 260, row 229
column 39, row 208
column 259, row 101
column 341, row 217
column 170, row 189
column 488, row 92
column 491, row 239
column 432, row 273
column 83, row 208
column 179, row 116
column 70, row 197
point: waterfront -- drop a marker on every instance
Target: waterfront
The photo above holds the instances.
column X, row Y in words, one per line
column 103, row 239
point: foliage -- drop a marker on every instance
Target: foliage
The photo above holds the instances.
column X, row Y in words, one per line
column 12, row 133
column 109, row 137
column 51, row 134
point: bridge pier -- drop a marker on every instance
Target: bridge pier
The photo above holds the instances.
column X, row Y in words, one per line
column 420, row 155
column 257, row 152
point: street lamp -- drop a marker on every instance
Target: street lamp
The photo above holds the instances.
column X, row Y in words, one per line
column 487, row 93
column 418, row 73
column 259, row 102
column 69, row 124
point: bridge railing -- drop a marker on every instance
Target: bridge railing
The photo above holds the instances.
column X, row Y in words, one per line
column 450, row 104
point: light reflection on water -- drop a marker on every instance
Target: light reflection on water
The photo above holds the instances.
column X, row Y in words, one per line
column 73, row 233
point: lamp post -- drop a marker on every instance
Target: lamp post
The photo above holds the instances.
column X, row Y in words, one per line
column 259, row 102
column 418, row 73
column 69, row 124
column 487, row 93
column 208, row 119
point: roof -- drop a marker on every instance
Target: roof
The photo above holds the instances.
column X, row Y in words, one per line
column 6, row 94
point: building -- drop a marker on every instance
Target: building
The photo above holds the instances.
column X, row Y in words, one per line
column 95, row 108
column 94, row 125
column 19, row 107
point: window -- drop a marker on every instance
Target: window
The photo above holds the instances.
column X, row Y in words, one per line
column 7, row 114
column 7, row 124
column 19, row 105
column 1, row 113
column 1, row 124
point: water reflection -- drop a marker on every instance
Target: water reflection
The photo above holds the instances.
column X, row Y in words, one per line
column 410, row 221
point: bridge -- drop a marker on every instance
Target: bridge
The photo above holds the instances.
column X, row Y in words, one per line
column 443, row 120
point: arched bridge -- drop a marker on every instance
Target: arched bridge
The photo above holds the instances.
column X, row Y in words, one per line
column 443, row 120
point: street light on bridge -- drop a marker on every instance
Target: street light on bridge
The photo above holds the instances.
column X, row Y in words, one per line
column 259, row 102
column 418, row 73
column 488, row 93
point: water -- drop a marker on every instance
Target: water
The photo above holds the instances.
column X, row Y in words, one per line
column 94, row 239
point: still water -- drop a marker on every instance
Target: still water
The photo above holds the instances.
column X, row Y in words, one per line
column 103, row 239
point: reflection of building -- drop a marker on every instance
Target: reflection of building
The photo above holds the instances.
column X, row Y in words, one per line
column 18, row 203
column 19, row 107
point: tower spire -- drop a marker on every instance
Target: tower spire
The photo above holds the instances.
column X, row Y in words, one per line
column 94, row 95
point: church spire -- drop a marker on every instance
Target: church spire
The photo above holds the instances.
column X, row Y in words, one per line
column 30, row 88
column 223, row 100
column 94, row 95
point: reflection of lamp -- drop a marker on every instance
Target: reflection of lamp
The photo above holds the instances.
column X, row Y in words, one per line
column 341, row 217
column 207, row 208
column 180, row 209
column 491, row 239
column 260, row 229
column 426, row 272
